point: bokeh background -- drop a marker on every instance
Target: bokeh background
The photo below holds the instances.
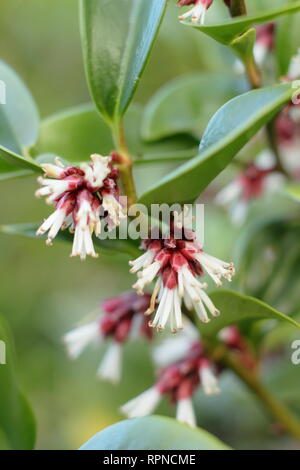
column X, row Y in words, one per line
column 44, row 293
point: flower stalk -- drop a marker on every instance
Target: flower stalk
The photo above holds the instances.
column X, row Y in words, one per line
column 125, row 164
column 237, row 8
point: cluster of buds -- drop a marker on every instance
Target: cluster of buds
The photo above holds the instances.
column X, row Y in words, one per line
column 178, row 381
column 85, row 198
column 176, row 263
column 256, row 179
column 122, row 320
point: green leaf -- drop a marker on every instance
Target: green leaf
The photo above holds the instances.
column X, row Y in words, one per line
column 236, row 308
column 228, row 31
column 153, row 433
column 117, row 38
column 197, row 96
column 228, row 131
column 16, row 417
column 287, row 41
column 108, row 246
column 76, row 133
column 19, row 123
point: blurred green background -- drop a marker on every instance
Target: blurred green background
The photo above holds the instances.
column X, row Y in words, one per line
column 44, row 292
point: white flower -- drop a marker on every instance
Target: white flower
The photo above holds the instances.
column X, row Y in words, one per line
column 215, row 267
column 143, row 404
column 96, row 173
column 169, row 309
column 78, row 339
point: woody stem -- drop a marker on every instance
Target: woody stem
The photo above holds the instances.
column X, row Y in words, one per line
column 238, row 8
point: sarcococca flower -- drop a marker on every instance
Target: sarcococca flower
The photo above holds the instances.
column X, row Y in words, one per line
column 178, row 381
column 122, row 319
column 84, row 197
column 176, row 264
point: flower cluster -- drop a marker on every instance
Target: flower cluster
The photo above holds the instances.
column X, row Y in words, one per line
column 257, row 178
column 178, row 381
column 122, row 319
column 176, row 263
column 183, row 368
column 85, row 198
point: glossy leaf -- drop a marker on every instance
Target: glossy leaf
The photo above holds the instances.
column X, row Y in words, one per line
column 153, row 433
column 197, row 96
column 16, row 417
column 109, row 246
column 287, row 41
column 19, row 123
column 227, row 132
column 80, row 131
column 229, row 30
column 117, row 38
column 236, row 308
